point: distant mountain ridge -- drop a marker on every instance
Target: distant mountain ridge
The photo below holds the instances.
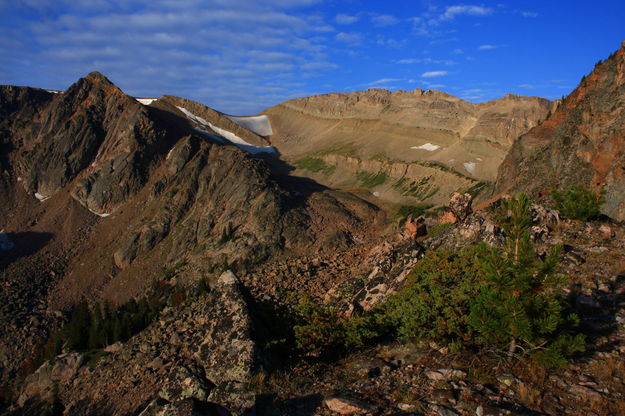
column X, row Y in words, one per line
column 426, row 144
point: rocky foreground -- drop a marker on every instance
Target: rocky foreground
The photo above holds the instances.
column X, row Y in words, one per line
column 203, row 357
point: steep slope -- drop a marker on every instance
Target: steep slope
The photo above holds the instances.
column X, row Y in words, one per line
column 581, row 142
column 426, row 144
column 102, row 193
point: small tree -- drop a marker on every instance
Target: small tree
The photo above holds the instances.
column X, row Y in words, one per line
column 520, row 306
column 578, row 202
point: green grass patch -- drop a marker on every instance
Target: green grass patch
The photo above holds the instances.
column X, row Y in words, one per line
column 370, row 180
column 314, row 164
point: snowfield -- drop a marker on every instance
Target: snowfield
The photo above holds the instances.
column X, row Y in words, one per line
column 258, row 124
column 98, row 214
column 231, row 137
column 146, row 101
column 41, row 197
column 428, row 146
column 470, row 167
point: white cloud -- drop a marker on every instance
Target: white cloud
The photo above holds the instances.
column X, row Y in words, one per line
column 432, row 21
column 383, row 20
column 220, row 52
column 487, row 47
column 381, row 81
column 352, row 38
column 457, row 51
column 529, row 14
column 432, row 74
column 526, row 86
column 407, row 61
column 452, row 11
column 345, row 19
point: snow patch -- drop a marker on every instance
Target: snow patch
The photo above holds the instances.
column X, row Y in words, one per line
column 239, row 142
column 470, row 167
column 146, row 101
column 54, row 91
column 231, row 137
column 428, row 146
column 19, row 179
column 5, row 243
column 98, row 214
column 41, row 197
column 258, row 124
column 193, row 117
column 376, row 193
column 478, row 159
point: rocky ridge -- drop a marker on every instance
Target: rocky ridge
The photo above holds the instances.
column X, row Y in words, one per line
column 381, row 132
column 581, row 142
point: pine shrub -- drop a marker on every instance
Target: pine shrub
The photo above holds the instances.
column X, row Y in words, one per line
column 578, row 202
column 520, row 306
column 433, row 305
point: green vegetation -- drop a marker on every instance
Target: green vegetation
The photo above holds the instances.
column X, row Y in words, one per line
column 91, row 328
column 578, row 202
column 475, row 190
column 434, row 304
column 314, row 164
column 414, row 211
column 505, row 300
column 520, row 307
column 343, row 149
column 370, row 180
column 420, row 189
column 438, row 229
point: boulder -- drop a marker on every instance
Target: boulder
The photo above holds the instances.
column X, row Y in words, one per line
column 40, row 384
column 347, row 406
column 460, row 205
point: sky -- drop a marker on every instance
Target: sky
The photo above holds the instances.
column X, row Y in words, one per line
column 243, row 56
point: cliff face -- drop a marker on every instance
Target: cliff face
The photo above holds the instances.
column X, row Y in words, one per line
column 581, row 142
column 466, row 142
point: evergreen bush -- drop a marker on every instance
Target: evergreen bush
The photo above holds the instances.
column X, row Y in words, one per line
column 578, row 202
column 520, row 306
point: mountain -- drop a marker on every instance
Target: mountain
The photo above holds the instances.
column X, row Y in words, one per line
column 100, row 194
column 159, row 257
column 581, row 142
column 406, row 146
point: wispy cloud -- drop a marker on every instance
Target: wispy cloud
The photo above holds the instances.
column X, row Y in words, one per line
column 529, row 14
column 351, row 38
column 345, row 19
column 487, row 47
column 381, row 81
column 430, row 22
column 383, row 20
column 433, row 74
column 152, row 47
column 527, row 86
column 408, row 61
column 452, row 11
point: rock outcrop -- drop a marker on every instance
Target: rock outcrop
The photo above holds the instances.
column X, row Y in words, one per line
column 581, row 142
column 425, row 144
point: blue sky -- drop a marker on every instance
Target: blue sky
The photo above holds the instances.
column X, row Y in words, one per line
column 242, row 56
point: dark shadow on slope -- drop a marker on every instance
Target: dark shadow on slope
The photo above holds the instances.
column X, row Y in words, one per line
column 21, row 245
column 267, row 404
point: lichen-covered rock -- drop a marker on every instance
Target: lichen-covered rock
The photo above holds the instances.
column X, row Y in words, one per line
column 460, row 205
column 40, row 385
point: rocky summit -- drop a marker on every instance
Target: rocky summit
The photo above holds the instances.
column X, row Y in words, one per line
column 374, row 252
